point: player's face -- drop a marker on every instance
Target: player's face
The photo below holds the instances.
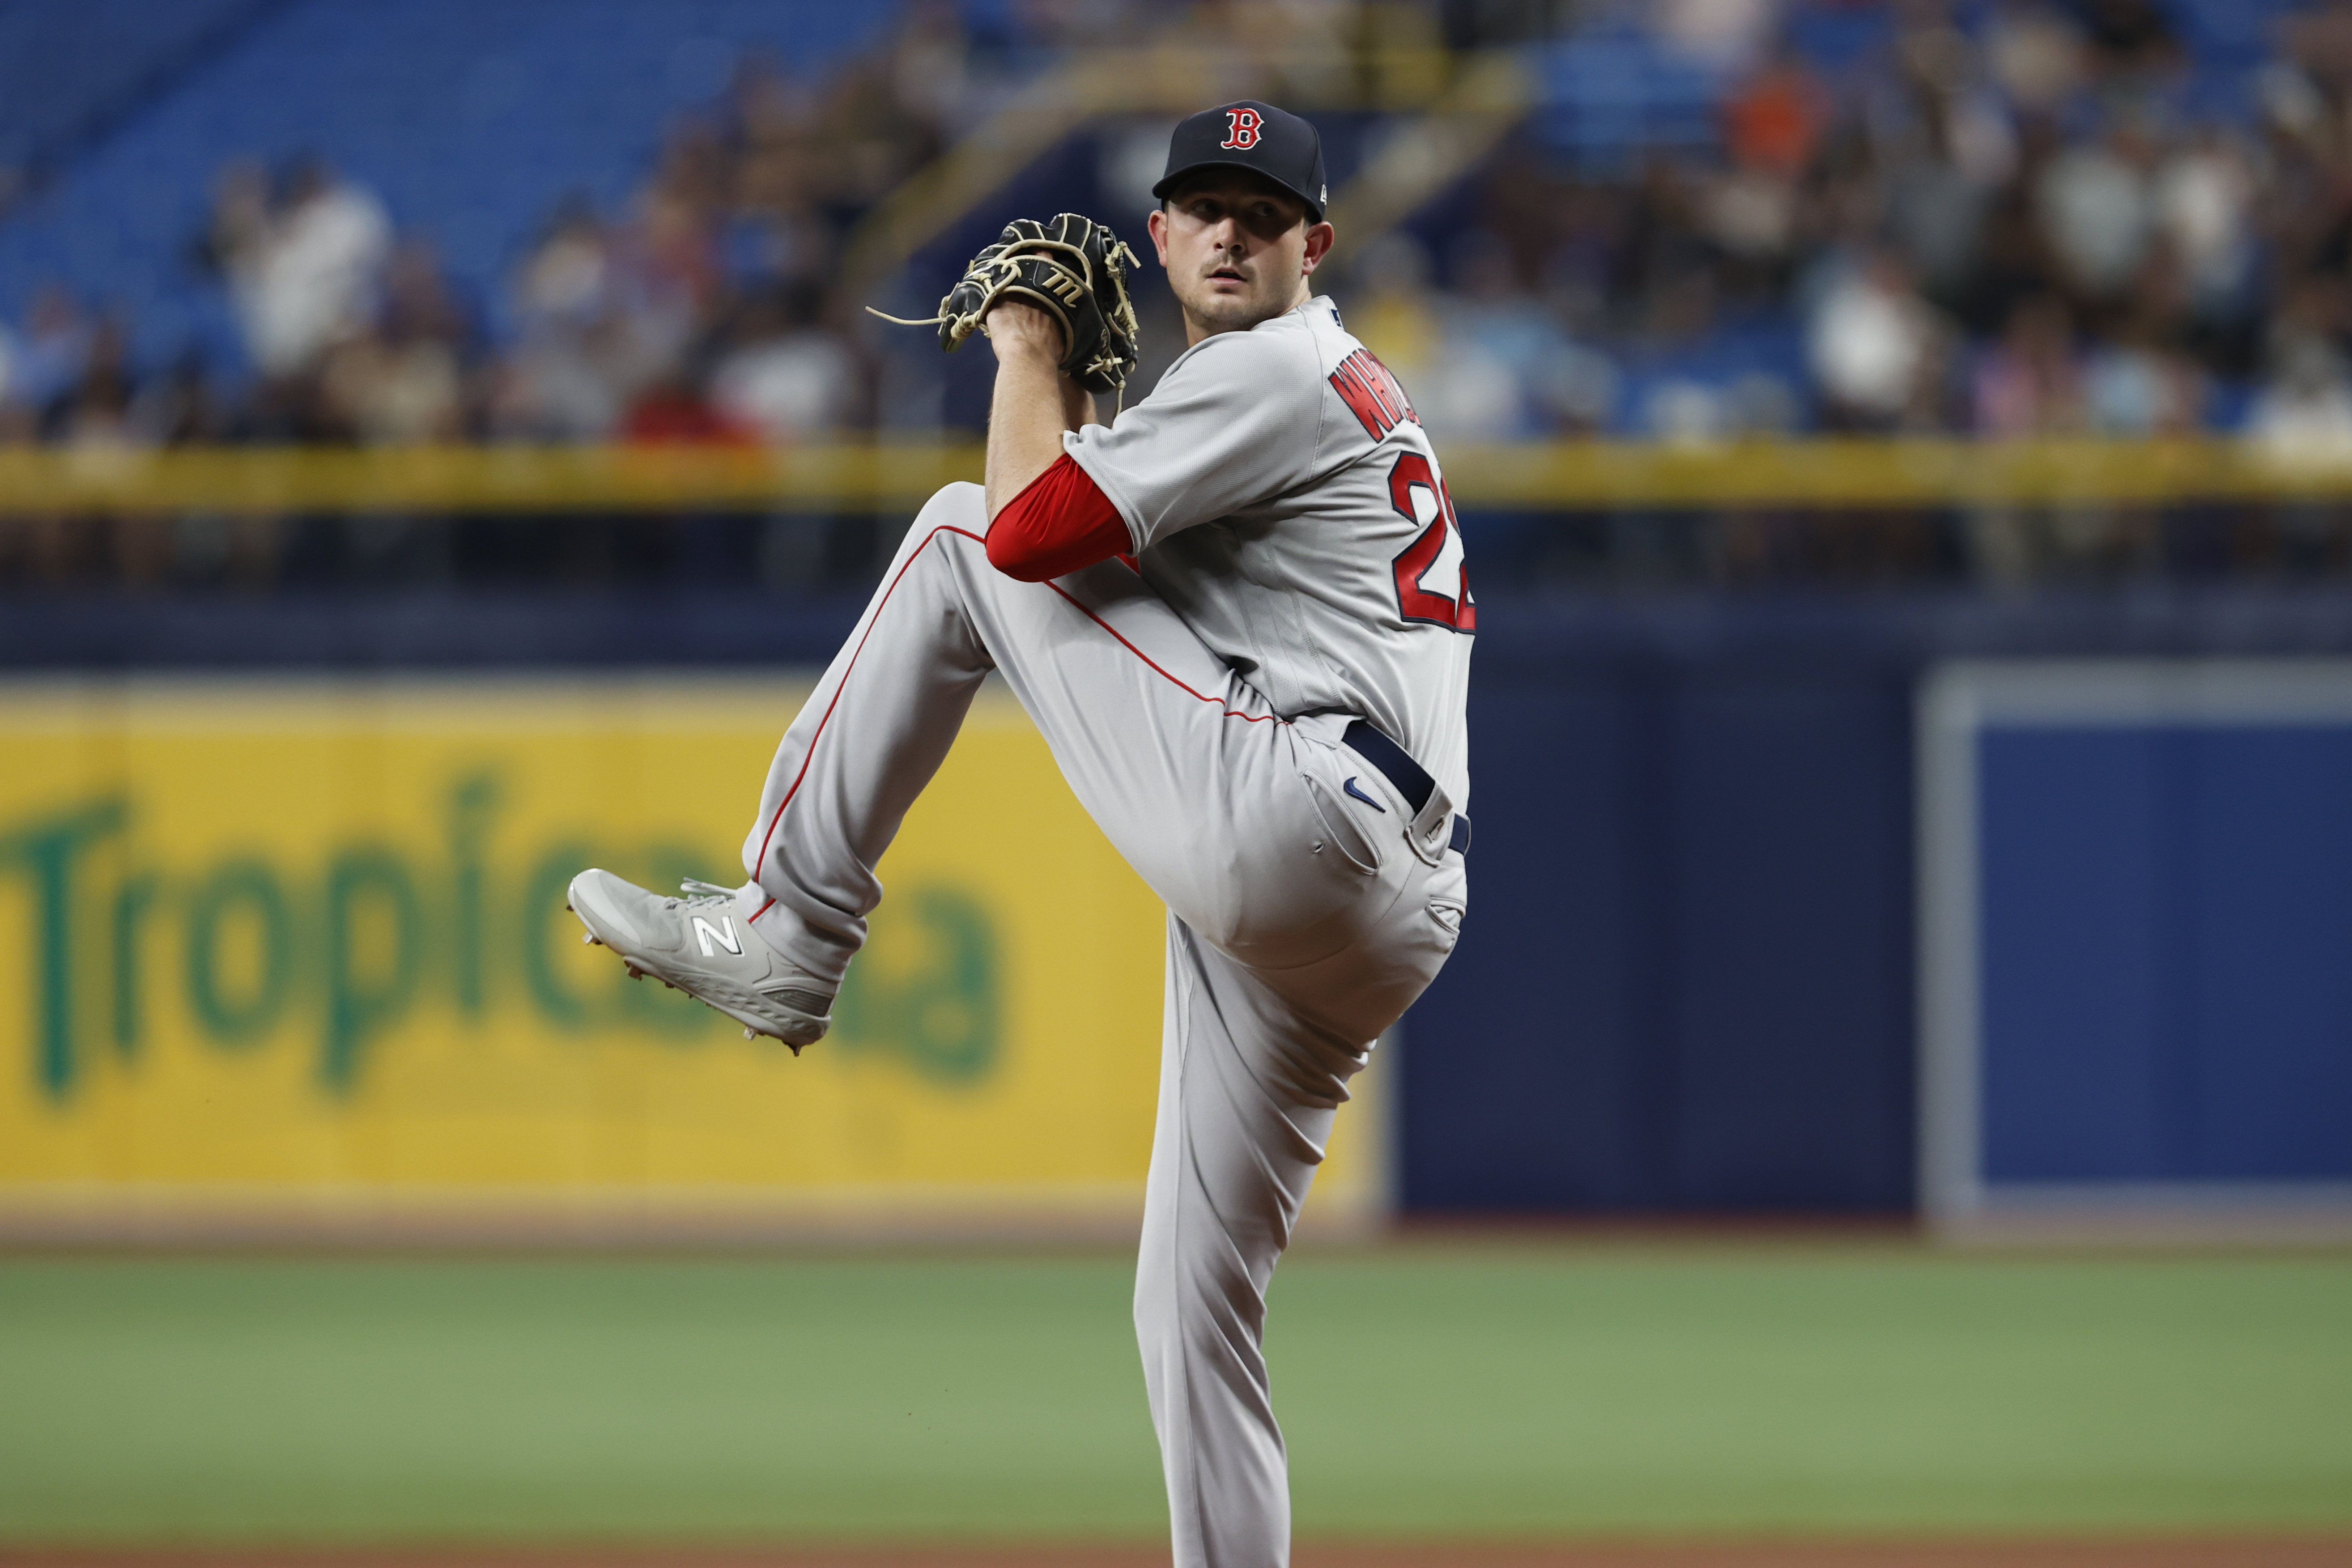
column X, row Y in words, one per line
column 1238, row 250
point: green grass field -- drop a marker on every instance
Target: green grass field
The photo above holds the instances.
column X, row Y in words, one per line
column 1427, row 1391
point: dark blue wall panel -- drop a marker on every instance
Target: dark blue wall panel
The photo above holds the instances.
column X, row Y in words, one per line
column 1554, row 790
column 1685, row 984
column 1790, row 986
column 2167, row 933
column 2273, row 886
column 2072, row 902
column 1685, row 979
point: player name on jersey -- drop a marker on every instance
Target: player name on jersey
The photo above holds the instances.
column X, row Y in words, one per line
column 1371, row 394
column 1374, row 396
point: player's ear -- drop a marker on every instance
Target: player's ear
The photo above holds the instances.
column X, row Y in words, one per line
column 1158, row 223
column 1319, row 237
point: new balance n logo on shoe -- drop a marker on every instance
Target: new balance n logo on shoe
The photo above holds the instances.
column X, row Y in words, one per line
column 706, row 933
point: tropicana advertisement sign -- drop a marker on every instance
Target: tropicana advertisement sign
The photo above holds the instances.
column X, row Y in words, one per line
column 268, row 938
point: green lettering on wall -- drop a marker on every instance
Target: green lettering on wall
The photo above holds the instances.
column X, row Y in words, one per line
column 238, row 891
column 540, row 922
column 367, row 992
column 132, row 901
column 944, row 1019
column 51, row 854
column 256, row 945
column 472, row 800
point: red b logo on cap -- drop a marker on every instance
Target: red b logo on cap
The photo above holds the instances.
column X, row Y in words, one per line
column 1244, row 125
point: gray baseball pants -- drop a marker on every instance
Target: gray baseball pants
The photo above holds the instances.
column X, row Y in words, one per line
column 1301, row 922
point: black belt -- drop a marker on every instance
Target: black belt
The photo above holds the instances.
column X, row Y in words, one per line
column 1411, row 779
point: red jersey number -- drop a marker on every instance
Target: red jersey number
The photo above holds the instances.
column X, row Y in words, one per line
column 1433, row 580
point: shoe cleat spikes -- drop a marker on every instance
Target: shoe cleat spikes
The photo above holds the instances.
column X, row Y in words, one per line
column 590, row 938
column 751, row 1033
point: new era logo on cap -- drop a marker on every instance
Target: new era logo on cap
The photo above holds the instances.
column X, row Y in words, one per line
column 1256, row 136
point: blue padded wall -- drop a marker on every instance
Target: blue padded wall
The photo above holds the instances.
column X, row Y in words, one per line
column 1684, row 983
column 2166, row 917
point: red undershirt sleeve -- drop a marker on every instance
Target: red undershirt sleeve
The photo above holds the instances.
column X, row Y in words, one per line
column 1061, row 523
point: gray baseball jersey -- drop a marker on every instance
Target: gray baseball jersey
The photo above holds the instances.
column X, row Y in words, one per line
column 1299, row 568
column 1285, row 500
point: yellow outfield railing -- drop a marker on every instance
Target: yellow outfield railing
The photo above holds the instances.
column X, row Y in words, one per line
column 499, row 478
column 896, row 478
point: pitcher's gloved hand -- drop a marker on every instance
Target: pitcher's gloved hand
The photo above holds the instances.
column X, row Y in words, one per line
column 1072, row 268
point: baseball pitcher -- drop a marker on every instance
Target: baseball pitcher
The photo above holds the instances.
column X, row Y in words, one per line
column 1239, row 617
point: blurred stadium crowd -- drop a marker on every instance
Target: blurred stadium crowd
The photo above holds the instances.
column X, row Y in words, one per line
column 705, row 308
column 2013, row 220
column 2122, row 217
column 229, row 222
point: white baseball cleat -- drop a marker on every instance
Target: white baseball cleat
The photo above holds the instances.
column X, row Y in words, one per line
column 695, row 941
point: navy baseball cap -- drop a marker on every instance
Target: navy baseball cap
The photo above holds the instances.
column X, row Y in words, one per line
column 1254, row 136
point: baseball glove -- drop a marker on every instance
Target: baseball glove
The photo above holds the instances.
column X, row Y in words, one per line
column 1076, row 270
